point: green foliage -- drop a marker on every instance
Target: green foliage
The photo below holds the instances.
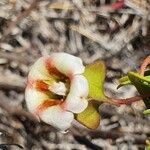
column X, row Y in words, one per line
column 147, row 112
column 90, row 117
column 124, row 81
column 147, row 148
column 147, row 145
column 95, row 74
column 142, row 84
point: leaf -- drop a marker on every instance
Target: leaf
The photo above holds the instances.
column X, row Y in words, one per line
column 142, row 84
column 95, row 74
column 147, row 112
column 90, row 117
column 147, row 145
column 124, row 81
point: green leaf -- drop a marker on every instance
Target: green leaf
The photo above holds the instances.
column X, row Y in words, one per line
column 147, row 112
column 95, row 74
column 90, row 117
column 142, row 84
column 147, row 147
column 124, row 81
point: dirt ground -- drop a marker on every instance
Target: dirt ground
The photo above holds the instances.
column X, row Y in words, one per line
column 117, row 33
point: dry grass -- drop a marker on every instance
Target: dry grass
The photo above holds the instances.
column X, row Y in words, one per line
column 89, row 29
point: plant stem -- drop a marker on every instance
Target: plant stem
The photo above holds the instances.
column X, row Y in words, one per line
column 126, row 101
column 118, row 102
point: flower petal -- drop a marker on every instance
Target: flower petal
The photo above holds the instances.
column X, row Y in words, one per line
column 34, row 98
column 76, row 99
column 68, row 64
column 75, row 104
column 79, row 86
column 57, row 117
column 38, row 70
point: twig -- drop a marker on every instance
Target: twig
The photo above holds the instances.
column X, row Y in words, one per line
column 83, row 140
column 4, row 146
column 103, row 8
column 108, row 113
column 110, row 7
column 15, row 57
column 144, row 65
column 88, row 143
column 14, row 83
column 115, row 135
column 14, row 111
column 21, row 16
column 7, row 86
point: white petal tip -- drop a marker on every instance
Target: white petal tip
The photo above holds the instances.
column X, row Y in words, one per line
column 57, row 117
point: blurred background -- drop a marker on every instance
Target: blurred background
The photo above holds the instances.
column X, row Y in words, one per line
column 117, row 32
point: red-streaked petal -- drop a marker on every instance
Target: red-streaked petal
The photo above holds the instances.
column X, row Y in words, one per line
column 68, row 64
column 39, row 85
column 38, row 70
column 46, row 104
column 51, row 68
column 34, row 98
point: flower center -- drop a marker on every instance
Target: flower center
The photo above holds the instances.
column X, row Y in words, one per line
column 58, row 88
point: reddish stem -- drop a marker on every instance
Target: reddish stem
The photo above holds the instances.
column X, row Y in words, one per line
column 144, row 65
column 126, row 101
column 129, row 101
column 119, row 102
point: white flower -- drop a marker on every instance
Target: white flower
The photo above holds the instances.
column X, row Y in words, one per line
column 56, row 89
